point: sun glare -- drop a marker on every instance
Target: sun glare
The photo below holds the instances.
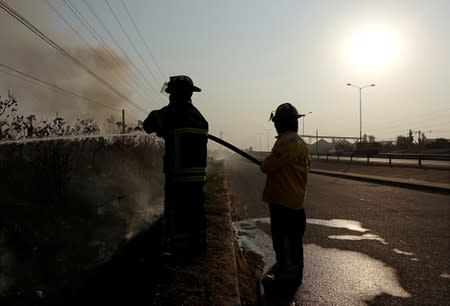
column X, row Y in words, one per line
column 373, row 49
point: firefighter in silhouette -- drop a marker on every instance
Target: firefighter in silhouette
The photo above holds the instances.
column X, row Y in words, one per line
column 287, row 169
column 185, row 132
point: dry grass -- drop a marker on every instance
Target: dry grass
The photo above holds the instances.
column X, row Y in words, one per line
column 68, row 205
column 212, row 279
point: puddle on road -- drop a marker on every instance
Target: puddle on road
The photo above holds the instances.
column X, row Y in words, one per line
column 347, row 224
column 356, row 238
column 351, row 278
column 339, row 223
column 330, row 274
column 403, row 252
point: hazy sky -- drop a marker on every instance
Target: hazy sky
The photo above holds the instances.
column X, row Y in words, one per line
column 248, row 57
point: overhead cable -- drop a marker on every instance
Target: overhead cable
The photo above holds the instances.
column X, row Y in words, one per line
column 111, row 36
column 130, row 41
column 99, row 55
column 61, row 50
column 39, row 82
column 118, row 61
column 164, row 77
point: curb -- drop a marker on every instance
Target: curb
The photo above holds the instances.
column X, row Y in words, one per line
column 404, row 183
column 237, row 296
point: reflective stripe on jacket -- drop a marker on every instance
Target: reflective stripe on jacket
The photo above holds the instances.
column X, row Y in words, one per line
column 185, row 133
column 188, row 162
column 287, row 169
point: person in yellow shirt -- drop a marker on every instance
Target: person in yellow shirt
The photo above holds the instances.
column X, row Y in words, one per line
column 287, row 169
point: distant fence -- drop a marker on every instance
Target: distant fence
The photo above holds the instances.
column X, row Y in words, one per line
column 387, row 156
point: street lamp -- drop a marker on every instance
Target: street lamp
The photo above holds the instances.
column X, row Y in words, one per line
column 360, row 116
column 304, row 115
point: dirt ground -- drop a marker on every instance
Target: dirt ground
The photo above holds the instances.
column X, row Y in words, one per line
column 227, row 275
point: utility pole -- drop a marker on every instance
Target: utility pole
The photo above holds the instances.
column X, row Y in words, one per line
column 267, row 134
column 317, row 141
column 303, row 121
column 360, row 106
column 260, row 142
column 123, row 121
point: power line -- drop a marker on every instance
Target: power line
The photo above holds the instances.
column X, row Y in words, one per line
column 111, row 36
column 104, row 44
column 61, row 50
column 101, row 56
column 164, row 77
column 131, row 42
column 74, row 30
column 39, row 82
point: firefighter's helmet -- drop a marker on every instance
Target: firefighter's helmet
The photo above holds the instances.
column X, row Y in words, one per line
column 179, row 83
column 285, row 112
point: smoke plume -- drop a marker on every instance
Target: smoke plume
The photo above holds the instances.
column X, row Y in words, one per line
column 24, row 51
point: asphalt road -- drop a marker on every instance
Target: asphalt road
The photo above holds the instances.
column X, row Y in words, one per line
column 365, row 244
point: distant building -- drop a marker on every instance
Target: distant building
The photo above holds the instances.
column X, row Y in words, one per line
column 321, row 147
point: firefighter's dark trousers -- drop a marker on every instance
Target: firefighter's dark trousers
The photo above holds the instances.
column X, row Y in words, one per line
column 184, row 217
column 288, row 228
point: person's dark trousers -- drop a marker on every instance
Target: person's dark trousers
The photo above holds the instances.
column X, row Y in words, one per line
column 184, row 217
column 288, row 227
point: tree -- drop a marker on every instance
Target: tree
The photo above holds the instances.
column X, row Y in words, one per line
column 403, row 142
column 364, row 138
column 29, row 126
column 85, row 127
column 8, row 109
column 111, row 123
column 139, row 126
column 58, row 128
column 120, row 127
column 343, row 146
column 14, row 126
column 439, row 143
column 44, row 129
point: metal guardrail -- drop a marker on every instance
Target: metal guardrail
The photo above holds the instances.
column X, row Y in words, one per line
column 389, row 156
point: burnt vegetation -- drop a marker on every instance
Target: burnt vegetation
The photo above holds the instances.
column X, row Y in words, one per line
column 68, row 205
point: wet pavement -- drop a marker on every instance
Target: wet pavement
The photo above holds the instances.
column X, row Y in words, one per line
column 365, row 244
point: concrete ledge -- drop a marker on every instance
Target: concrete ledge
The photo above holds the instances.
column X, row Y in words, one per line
column 211, row 279
column 404, row 183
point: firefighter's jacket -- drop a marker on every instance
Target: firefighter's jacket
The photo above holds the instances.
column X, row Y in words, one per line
column 287, row 169
column 185, row 132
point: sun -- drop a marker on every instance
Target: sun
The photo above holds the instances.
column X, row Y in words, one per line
column 373, row 48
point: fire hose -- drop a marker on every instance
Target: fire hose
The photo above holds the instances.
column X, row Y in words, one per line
column 235, row 149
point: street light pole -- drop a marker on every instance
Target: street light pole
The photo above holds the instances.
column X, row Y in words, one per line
column 360, row 106
column 304, row 115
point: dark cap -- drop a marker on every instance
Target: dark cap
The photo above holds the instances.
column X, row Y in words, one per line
column 180, row 82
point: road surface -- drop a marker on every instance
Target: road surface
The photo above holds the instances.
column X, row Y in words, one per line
column 395, row 161
column 365, row 244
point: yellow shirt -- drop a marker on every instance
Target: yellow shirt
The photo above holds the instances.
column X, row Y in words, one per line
column 287, row 169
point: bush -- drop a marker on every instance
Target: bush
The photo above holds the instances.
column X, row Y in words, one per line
column 67, row 205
